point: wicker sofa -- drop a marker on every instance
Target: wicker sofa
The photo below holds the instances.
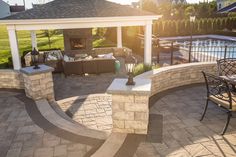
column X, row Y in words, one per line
column 91, row 66
column 44, row 58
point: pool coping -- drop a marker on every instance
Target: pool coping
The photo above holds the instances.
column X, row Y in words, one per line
column 214, row 36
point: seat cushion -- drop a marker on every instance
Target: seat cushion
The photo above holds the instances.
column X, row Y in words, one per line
column 224, row 103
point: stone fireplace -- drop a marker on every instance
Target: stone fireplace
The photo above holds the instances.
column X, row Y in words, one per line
column 78, row 41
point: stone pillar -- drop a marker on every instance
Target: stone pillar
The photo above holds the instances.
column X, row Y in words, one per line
column 130, row 110
column 38, row 82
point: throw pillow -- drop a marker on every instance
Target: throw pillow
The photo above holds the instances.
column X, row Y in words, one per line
column 68, row 59
column 108, row 56
column 51, row 57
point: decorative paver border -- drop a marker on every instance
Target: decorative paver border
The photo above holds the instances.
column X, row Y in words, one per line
column 43, row 123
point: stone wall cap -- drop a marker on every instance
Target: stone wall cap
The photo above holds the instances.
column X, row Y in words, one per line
column 31, row 71
column 118, row 86
column 152, row 73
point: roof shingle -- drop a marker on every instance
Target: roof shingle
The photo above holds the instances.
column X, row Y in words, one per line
column 77, row 9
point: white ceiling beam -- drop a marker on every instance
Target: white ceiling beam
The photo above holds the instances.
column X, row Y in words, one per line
column 78, row 25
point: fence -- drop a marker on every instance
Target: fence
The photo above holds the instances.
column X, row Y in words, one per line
column 167, row 52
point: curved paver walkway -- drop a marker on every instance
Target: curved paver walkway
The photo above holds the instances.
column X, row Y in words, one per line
column 93, row 111
column 25, row 133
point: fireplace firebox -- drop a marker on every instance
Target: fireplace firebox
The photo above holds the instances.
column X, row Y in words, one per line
column 77, row 43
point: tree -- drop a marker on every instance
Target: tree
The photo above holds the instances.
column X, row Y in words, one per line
column 49, row 34
column 189, row 11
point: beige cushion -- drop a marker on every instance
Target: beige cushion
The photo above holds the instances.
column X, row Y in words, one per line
column 221, row 102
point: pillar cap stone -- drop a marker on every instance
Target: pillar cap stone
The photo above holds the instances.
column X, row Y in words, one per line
column 31, row 71
column 142, row 86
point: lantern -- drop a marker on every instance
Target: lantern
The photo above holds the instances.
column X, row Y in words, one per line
column 130, row 63
column 35, row 58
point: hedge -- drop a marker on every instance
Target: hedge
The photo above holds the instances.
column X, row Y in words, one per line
column 200, row 26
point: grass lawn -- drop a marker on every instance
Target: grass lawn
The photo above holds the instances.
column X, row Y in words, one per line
column 24, row 42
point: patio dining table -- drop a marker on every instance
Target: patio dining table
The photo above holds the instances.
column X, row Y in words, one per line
column 231, row 79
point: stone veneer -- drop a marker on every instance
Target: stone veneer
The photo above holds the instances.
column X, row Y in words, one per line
column 11, row 79
column 38, row 83
column 83, row 33
column 179, row 75
column 130, row 110
column 130, row 104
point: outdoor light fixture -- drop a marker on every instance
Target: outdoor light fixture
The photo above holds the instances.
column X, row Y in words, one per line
column 35, row 58
column 130, row 63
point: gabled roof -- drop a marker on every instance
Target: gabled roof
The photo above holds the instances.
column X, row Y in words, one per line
column 59, row 9
column 229, row 8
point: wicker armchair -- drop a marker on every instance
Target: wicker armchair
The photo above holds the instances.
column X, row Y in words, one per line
column 219, row 92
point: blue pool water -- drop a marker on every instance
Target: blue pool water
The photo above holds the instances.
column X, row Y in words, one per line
column 216, row 48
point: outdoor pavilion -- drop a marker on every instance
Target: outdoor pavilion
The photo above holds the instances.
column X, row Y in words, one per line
column 72, row 14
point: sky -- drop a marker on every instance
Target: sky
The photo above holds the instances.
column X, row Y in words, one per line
column 29, row 2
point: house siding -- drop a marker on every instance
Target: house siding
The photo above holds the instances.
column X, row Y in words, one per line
column 223, row 3
column 4, row 9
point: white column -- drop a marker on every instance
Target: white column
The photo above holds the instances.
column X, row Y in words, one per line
column 119, row 37
column 33, row 40
column 14, row 47
column 148, row 43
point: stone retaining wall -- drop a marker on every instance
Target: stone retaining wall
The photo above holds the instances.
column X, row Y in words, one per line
column 36, row 85
column 178, row 75
column 11, row 79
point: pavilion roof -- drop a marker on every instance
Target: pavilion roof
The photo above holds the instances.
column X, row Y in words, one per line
column 59, row 9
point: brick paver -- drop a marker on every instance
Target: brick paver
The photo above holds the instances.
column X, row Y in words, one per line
column 21, row 137
column 183, row 134
column 74, row 85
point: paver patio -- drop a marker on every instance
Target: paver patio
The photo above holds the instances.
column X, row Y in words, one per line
column 21, row 137
column 83, row 85
column 182, row 133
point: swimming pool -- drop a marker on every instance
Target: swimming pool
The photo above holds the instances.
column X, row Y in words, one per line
column 207, row 48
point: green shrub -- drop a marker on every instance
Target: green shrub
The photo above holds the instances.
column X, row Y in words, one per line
column 201, row 26
column 141, row 68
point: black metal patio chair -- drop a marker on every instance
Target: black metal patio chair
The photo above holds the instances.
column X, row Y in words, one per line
column 219, row 92
column 227, row 66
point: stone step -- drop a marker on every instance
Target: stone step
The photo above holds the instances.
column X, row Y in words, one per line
column 58, row 110
column 111, row 146
column 49, row 113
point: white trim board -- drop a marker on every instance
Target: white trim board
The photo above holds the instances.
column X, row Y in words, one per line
column 70, row 23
